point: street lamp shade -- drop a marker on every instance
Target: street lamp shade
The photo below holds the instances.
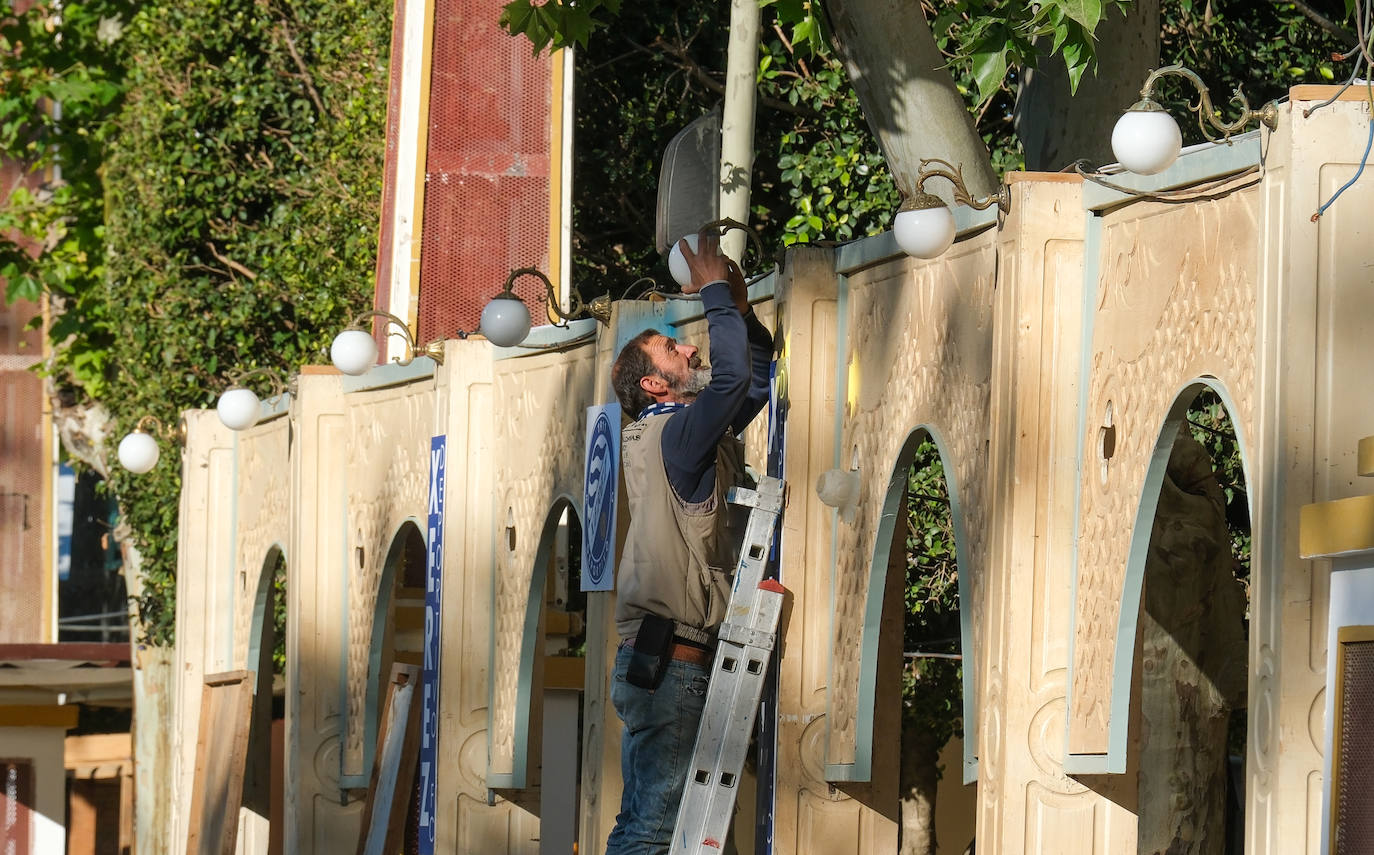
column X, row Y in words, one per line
column 505, row 320
column 138, row 452
column 1146, row 141
column 238, row 408
column 353, row 352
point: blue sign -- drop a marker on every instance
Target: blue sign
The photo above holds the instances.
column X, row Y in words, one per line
column 598, row 497
column 429, row 700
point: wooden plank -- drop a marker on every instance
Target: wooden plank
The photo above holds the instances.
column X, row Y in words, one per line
column 393, row 770
column 221, row 755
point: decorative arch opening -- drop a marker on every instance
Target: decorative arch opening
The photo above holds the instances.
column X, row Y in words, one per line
column 918, row 635
column 262, row 787
column 551, row 678
column 1182, row 640
column 398, row 624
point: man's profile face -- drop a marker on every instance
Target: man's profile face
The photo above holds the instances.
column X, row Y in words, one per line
column 679, row 364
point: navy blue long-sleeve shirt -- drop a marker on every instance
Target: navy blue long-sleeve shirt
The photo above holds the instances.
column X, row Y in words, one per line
column 741, row 351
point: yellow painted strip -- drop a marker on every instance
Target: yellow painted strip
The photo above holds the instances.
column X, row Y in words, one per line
column 50, row 715
column 421, row 168
column 48, row 493
column 564, row 672
column 1366, row 454
column 556, row 176
column 1328, row 529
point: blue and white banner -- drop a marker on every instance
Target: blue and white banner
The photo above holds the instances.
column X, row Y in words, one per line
column 429, row 700
column 599, row 497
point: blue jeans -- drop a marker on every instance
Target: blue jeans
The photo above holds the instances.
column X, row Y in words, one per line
column 655, row 753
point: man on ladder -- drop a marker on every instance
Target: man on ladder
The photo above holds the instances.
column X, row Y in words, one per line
column 680, row 457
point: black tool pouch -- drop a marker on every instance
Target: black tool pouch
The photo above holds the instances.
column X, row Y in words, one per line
column 653, row 651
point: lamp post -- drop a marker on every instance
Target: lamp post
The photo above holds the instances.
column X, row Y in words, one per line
column 924, row 226
column 1146, row 139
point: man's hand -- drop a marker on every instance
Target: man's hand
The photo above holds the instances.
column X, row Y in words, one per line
column 706, row 265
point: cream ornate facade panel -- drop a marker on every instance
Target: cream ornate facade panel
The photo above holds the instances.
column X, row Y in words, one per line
column 918, row 345
column 1165, row 313
column 262, row 524
column 324, row 821
column 540, row 429
column 205, row 591
column 387, row 449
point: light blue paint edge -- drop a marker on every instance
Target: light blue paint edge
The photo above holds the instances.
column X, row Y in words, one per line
column 1092, row 262
column 390, row 374
column 260, row 608
column 1128, row 621
column 868, row 251
column 529, row 641
column 548, row 337
column 1196, row 164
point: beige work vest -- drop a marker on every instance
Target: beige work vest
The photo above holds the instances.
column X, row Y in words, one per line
column 679, row 557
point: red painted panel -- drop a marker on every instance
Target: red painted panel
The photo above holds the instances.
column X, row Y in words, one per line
column 486, row 207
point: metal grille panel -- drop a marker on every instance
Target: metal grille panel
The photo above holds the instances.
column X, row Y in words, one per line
column 1355, row 724
column 487, row 194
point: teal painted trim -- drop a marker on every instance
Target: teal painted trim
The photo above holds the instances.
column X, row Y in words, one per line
column 548, row 337
column 345, row 781
column 1196, row 164
column 1092, row 265
column 260, row 602
column 277, row 405
column 841, row 393
column 873, row 607
column 842, row 772
column 868, row 251
column 531, row 646
column 1128, row 621
column 386, row 592
column 390, row 374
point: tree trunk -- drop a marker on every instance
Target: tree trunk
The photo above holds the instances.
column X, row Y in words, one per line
column 907, row 94
column 919, row 784
column 1056, row 127
column 1193, row 655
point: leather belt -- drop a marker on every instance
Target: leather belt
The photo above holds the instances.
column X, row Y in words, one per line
column 683, row 652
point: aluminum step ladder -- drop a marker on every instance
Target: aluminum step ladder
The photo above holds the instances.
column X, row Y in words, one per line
column 746, row 641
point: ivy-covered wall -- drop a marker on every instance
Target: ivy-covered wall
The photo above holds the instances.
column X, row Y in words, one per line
column 211, row 205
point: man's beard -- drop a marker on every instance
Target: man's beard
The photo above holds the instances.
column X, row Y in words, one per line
column 692, row 381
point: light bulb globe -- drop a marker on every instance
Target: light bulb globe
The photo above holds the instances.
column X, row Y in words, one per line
column 138, row 452
column 505, row 320
column 677, row 262
column 353, row 352
column 1146, row 142
column 238, row 408
column 924, row 232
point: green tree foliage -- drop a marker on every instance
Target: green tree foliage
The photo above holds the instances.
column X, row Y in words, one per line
column 229, row 154
column 818, row 175
column 931, row 686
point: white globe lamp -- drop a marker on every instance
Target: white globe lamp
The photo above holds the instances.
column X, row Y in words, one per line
column 1146, row 139
column 677, row 262
column 924, row 227
column 138, row 452
column 353, row 352
column 238, row 408
column 505, row 320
